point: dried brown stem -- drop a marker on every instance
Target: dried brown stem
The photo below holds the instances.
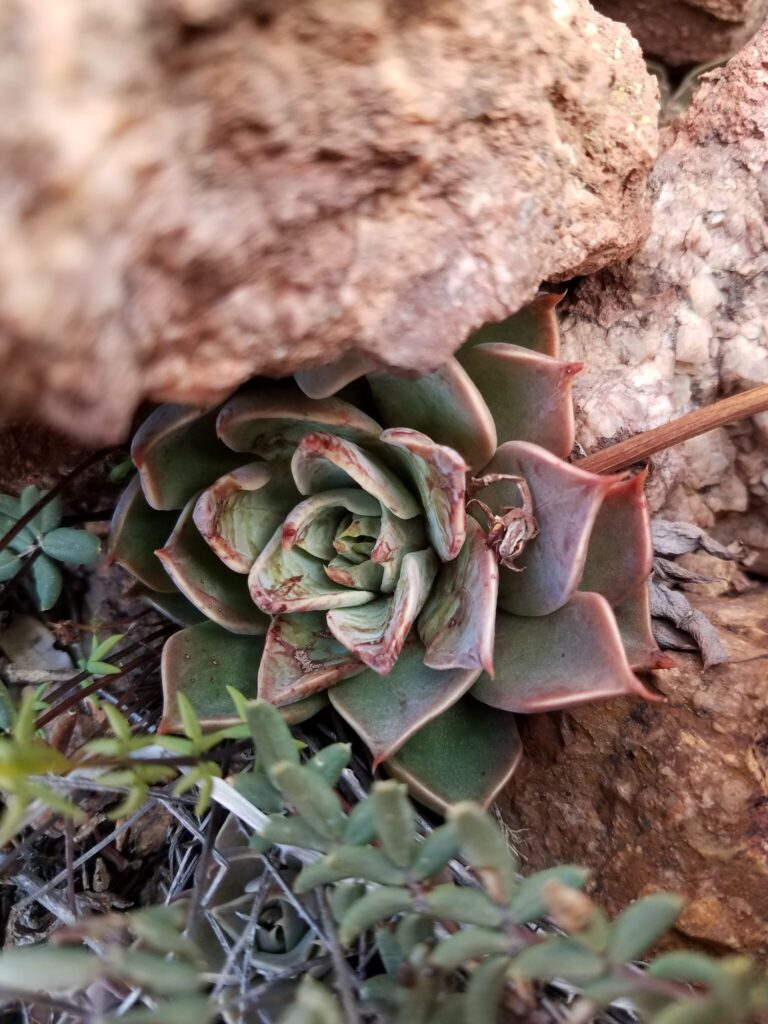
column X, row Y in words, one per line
column 642, row 446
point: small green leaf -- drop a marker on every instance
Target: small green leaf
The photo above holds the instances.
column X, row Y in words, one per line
column 365, row 863
column 7, row 711
column 377, row 905
column 101, row 650
column 313, row 1004
column 395, row 821
column 311, row 796
column 459, row 903
column 331, row 761
column 688, row 966
column 271, row 736
column 435, row 852
column 344, row 895
column 558, row 957
column 182, row 1010
column 361, row 824
column 166, row 977
column 76, row 547
column 642, row 924
column 9, row 566
column 528, row 902
column 189, row 719
column 390, row 953
column 256, row 787
column 48, row 581
column 468, row 944
column 413, row 930
column 293, row 831
column 47, row 968
column 161, row 929
column 118, row 723
column 102, row 668
column 485, row 990
column 486, row 849
column 693, row 1011
column 49, row 516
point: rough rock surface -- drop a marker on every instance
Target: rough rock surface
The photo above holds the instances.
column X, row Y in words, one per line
column 684, row 321
column 193, row 191
column 666, row 796
column 692, row 32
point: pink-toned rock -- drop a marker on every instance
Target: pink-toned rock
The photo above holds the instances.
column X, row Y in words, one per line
column 688, row 31
column 684, row 321
column 194, row 191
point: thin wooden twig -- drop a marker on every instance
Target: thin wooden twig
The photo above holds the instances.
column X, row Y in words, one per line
column 701, row 421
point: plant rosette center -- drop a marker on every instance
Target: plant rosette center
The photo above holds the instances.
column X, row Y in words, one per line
column 415, row 550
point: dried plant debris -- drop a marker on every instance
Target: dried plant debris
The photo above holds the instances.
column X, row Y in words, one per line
column 677, row 625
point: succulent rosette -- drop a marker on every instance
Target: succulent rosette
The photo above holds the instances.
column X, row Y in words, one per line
column 417, row 550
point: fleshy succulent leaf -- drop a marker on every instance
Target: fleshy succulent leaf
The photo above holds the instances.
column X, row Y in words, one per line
column 527, row 393
column 438, row 475
column 172, row 604
column 534, row 327
column 376, row 632
column 287, row 579
column 177, row 454
column 468, row 753
column 240, row 512
column 312, row 524
column 301, row 658
column 445, row 405
column 458, row 621
column 136, row 532
column 324, row 462
column 206, row 581
column 566, row 501
column 271, row 418
column 201, row 662
column 397, row 537
column 554, row 661
column 385, row 711
column 620, row 553
column 324, row 381
column 633, row 617
column 67, row 544
column 47, row 580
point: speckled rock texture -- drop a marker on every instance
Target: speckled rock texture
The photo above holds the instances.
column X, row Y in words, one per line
column 665, row 796
column 194, row 191
column 688, row 31
column 685, row 320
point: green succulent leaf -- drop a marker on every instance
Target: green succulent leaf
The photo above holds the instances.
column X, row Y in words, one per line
column 376, row 632
column 485, row 990
column 360, row 828
column 314, row 1004
column 221, row 594
column 444, row 762
column 468, row 944
column 445, row 405
column 350, row 862
column 456, row 903
column 486, row 848
column 386, row 711
column 633, row 617
column 542, row 662
column 558, row 957
column 9, row 566
column 73, row 546
column 136, row 532
column 435, row 851
column 529, row 902
column 331, row 761
column 457, row 625
column 324, row 381
column 271, row 736
column 312, row 797
column 294, row 831
column 534, row 327
column 48, row 968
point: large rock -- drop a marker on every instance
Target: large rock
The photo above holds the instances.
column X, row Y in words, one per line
column 669, row 796
column 194, row 191
column 684, row 321
column 692, row 32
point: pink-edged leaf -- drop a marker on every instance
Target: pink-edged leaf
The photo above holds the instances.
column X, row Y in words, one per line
column 633, row 617
column 365, row 575
column 222, row 595
column 376, row 632
column 177, row 454
column 620, row 553
column 554, row 661
column 240, row 512
column 439, row 475
column 201, row 662
column 458, row 622
column 397, row 537
column 287, row 579
column 386, row 711
column 302, row 658
column 313, row 523
column 528, row 394
column 565, row 503
column 534, row 327
column 468, row 753
column 136, row 531
column 445, row 405
column 324, row 462
column 324, row 381
column 271, row 417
